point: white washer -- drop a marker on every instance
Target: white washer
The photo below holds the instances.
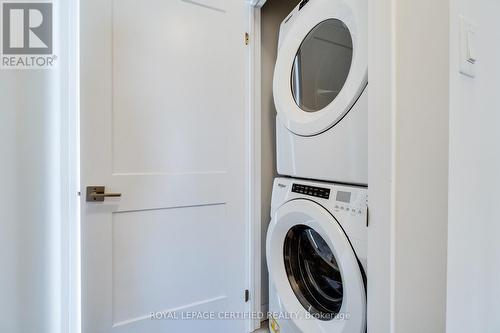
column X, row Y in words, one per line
column 316, row 255
column 320, row 92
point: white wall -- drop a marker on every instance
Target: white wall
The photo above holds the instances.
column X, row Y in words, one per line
column 474, row 200
column 8, row 212
column 34, row 106
column 408, row 171
column 29, row 199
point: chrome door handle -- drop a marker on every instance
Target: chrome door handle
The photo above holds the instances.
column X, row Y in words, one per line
column 98, row 194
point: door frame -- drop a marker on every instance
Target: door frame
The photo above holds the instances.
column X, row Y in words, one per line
column 254, row 151
column 70, row 153
column 69, row 76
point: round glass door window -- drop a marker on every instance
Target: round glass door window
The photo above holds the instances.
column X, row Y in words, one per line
column 321, row 65
column 313, row 272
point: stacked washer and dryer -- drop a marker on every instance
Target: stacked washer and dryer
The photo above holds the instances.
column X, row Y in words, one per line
column 317, row 240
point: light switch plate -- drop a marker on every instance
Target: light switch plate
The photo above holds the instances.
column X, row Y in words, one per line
column 468, row 47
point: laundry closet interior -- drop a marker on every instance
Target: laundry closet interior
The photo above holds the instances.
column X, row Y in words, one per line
column 313, row 163
column 272, row 15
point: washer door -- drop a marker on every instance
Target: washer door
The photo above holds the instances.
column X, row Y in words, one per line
column 322, row 65
column 314, row 270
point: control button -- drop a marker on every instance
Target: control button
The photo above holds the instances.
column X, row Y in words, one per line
column 312, row 191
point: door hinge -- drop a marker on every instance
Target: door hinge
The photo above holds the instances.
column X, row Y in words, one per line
column 367, row 216
column 247, row 295
column 247, row 38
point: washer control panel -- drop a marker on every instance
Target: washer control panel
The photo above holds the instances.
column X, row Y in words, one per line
column 352, row 202
column 314, row 191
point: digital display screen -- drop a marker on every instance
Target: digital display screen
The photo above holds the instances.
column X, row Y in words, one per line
column 344, row 196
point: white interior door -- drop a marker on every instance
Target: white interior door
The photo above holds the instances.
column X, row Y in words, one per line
column 163, row 123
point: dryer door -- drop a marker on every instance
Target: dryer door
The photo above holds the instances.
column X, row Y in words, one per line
column 322, row 65
column 314, row 270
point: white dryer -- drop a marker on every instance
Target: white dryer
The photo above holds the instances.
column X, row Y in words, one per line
column 320, row 91
column 316, row 255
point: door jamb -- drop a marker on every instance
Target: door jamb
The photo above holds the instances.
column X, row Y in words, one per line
column 254, row 223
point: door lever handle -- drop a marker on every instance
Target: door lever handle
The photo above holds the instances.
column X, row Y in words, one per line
column 98, row 194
